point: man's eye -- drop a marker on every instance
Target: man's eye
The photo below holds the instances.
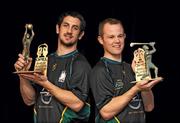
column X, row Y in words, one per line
column 76, row 28
column 111, row 37
column 121, row 35
column 65, row 25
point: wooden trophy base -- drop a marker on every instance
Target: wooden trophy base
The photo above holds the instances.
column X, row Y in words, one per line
column 27, row 72
column 149, row 79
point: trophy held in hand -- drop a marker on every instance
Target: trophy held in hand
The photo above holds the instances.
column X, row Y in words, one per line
column 41, row 60
column 144, row 67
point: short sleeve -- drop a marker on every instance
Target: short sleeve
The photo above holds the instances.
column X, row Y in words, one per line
column 79, row 79
column 101, row 86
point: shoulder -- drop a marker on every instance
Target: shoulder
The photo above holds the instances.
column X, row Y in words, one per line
column 99, row 68
column 99, row 75
column 51, row 55
column 80, row 61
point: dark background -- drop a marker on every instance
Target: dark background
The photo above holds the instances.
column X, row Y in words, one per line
column 143, row 21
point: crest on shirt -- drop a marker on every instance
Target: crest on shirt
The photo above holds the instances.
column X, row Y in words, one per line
column 135, row 103
column 46, row 97
column 119, row 84
column 62, row 76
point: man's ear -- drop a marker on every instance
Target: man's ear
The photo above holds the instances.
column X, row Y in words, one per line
column 81, row 35
column 124, row 35
column 100, row 40
column 57, row 29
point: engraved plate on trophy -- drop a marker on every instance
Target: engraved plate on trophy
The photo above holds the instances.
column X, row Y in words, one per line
column 140, row 64
column 144, row 67
column 41, row 61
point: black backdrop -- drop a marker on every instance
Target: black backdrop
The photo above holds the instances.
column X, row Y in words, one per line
column 143, row 21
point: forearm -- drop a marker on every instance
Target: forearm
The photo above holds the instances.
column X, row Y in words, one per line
column 27, row 91
column 64, row 96
column 148, row 100
column 117, row 104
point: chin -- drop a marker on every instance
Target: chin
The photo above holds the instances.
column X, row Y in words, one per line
column 117, row 52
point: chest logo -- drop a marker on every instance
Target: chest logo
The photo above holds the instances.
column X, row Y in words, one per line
column 62, row 76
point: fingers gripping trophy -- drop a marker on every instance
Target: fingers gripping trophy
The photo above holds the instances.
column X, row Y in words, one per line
column 143, row 62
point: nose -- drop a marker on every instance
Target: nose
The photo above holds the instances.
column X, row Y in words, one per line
column 117, row 39
column 69, row 30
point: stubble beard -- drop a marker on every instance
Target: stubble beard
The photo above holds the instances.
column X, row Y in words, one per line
column 69, row 44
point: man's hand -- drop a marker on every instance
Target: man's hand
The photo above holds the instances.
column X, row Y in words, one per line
column 35, row 77
column 146, row 85
column 21, row 64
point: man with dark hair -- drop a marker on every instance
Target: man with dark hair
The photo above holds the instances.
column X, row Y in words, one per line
column 61, row 96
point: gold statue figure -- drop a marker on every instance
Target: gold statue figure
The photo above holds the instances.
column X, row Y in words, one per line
column 41, row 60
column 27, row 39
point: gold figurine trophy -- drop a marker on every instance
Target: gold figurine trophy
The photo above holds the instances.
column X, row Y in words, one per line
column 27, row 39
column 143, row 62
column 41, row 59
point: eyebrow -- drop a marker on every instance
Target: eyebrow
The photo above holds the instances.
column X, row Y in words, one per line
column 74, row 25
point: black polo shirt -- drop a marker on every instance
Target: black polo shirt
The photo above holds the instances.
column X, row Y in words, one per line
column 68, row 72
column 110, row 79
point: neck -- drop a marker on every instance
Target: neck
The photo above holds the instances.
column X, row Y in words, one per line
column 62, row 50
column 114, row 57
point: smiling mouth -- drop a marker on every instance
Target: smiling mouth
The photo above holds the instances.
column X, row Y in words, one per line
column 68, row 35
column 117, row 46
